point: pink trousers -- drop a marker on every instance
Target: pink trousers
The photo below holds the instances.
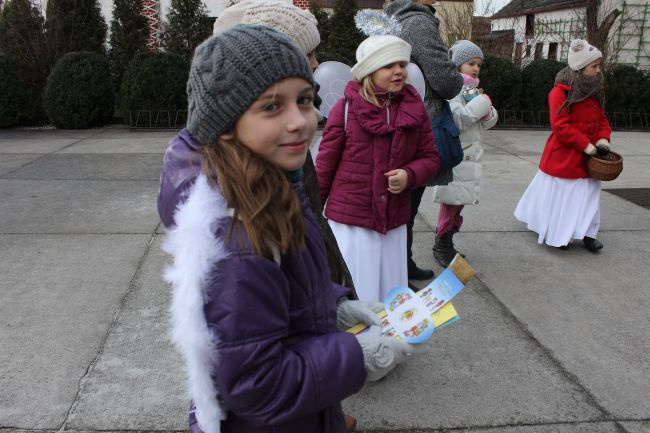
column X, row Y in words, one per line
column 449, row 219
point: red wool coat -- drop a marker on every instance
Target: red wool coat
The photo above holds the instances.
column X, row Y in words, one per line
column 352, row 161
column 563, row 154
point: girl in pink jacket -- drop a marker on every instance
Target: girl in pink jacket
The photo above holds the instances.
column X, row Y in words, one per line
column 377, row 146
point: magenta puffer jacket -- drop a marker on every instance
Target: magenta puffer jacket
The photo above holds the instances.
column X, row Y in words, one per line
column 352, row 161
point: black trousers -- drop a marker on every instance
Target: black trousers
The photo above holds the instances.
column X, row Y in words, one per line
column 416, row 198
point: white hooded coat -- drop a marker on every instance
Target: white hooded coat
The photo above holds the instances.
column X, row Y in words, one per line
column 467, row 186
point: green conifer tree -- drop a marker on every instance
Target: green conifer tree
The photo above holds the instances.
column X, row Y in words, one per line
column 344, row 37
column 75, row 25
column 187, row 26
column 323, row 23
column 128, row 36
column 22, row 40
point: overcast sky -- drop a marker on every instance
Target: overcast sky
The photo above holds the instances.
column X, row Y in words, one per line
column 495, row 5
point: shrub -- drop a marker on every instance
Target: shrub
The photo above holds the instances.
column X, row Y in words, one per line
column 22, row 40
column 12, row 90
column 128, row 35
column 627, row 89
column 187, row 26
column 323, row 25
column 501, row 80
column 79, row 92
column 75, row 26
column 344, row 37
column 154, row 81
column 537, row 79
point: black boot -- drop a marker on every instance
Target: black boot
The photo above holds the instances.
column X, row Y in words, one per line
column 416, row 273
column 592, row 244
column 454, row 246
column 443, row 250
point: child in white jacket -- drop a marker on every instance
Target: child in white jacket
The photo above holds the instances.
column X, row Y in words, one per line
column 473, row 113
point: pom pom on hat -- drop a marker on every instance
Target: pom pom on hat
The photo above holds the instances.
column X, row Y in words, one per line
column 463, row 51
column 231, row 70
column 582, row 53
column 280, row 15
column 378, row 51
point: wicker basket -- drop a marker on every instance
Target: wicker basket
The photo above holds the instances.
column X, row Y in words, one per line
column 605, row 167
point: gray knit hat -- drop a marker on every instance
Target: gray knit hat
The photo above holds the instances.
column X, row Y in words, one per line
column 463, row 51
column 231, row 70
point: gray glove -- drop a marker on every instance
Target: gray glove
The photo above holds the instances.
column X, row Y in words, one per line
column 590, row 149
column 381, row 354
column 349, row 313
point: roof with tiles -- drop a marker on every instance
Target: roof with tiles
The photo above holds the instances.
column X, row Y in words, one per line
column 525, row 7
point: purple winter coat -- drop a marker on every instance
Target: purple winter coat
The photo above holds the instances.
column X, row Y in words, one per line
column 258, row 335
column 352, row 160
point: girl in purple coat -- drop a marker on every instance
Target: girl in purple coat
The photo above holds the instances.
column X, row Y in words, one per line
column 255, row 315
column 377, row 146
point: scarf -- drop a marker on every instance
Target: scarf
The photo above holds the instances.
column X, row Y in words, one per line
column 582, row 87
column 470, row 81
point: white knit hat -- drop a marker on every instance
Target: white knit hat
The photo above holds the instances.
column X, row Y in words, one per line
column 280, row 15
column 378, row 51
column 581, row 53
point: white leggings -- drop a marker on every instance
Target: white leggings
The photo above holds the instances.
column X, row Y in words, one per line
column 377, row 262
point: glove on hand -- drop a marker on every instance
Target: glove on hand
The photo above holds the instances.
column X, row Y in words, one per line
column 349, row 313
column 603, row 145
column 590, row 149
column 381, row 354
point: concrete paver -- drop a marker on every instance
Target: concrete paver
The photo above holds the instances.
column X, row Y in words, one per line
column 113, row 166
column 548, row 341
column 59, row 294
column 76, row 206
column 139, row 381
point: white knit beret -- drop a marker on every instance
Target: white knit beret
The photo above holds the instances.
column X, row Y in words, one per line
column 378, row 51
column 280, row 15
column 581, row 53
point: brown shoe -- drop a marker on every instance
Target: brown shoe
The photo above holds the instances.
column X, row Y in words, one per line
column 350, row 423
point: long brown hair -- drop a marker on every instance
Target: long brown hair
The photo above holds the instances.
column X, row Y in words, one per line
column 259, row 193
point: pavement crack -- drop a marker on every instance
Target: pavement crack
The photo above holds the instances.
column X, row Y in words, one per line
column 84, row 378
column 590, row 398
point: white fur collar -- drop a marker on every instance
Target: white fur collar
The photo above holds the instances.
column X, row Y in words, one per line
column 195, row 250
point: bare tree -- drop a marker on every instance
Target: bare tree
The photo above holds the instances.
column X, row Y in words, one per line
column 456, row 21
column 597, row 34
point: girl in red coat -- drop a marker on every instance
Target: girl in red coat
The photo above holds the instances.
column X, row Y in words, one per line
column 376, row 148
column 562, row 202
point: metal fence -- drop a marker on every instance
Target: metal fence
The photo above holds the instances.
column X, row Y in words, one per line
column 157, row 119
column 508, row 119
column 619, row 120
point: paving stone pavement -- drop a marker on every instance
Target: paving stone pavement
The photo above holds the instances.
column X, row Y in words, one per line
column 548, row 341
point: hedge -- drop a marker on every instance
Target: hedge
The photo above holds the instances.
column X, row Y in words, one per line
column 537, row 80
column 501, row 80
column 154, row 81
column 12, row 94
column 79, row 92
column 627, row 89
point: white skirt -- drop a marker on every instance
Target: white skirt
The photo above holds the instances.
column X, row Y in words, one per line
column 560, row 210
column 376, row 262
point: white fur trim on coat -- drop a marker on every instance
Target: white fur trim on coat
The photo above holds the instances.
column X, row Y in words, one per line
column 195, row 250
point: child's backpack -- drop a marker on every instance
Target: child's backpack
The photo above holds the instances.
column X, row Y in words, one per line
column 447, row 138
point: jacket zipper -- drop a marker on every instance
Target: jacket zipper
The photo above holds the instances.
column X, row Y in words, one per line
column 388, row 109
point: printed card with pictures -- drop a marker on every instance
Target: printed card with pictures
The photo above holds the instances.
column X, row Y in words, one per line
column 414, row 317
